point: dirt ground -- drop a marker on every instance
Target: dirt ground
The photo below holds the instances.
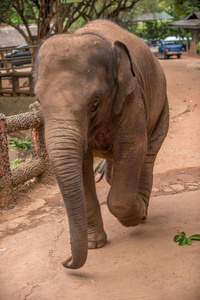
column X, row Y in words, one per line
column 136, row 263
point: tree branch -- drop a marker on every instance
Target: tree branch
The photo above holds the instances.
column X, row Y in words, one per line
column 44, row 11
column 20, row 12
column 16, row 27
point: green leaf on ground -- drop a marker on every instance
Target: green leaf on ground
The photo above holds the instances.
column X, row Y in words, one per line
column 188, row 241
column 182, row 241
column 183, row 234
column 177, row 238
column 195, row 237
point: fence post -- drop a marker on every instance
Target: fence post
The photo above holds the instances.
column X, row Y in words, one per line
column 5, row 173
column 30, row 78
column 39, row 149
column 1, row 93
column 15, row 83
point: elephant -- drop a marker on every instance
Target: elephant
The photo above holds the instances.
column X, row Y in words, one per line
column 102, row 94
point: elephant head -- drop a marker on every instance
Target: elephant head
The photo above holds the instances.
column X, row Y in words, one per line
column 80, row 81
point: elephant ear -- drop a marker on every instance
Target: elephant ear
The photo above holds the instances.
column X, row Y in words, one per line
column 125, row 75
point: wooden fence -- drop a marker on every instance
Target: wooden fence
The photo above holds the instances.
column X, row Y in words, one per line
column 38, row 166
column 15, row 89
column 14, row 81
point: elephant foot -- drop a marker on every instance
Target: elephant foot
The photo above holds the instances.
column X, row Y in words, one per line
column 136, row 218
column 131, row 213
column 131, row 222
column 97, row 240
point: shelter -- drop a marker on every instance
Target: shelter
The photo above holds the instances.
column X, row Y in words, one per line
column 153, row 17
column 191, row 22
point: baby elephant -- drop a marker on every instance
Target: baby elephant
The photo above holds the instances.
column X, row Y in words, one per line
column 102, row 93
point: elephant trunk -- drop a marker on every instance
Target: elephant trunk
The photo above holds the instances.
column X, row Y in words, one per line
column 65, row 146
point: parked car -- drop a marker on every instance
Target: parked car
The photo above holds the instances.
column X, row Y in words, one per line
column 20, row 56
column 178, row 39
column 169, row 48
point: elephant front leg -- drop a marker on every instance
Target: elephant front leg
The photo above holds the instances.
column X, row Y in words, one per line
column 96, row 234
column 131, row 186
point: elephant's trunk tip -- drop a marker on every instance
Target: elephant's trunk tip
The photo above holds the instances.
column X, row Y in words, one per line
column 70, row 264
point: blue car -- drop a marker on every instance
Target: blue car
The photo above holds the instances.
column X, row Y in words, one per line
column 170, row 48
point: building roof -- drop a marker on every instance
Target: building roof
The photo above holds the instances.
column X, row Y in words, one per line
column 191, row 21
column 194, row 24
column 152, row 17
column 10, row 37
column 193, row 15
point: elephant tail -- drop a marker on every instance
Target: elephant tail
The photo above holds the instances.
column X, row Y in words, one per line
column 99, row 171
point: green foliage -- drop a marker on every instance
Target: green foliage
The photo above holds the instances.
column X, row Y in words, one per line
column 156, row 6
column 24, row 144
column 183, row 240
column 198, row 47
column 158, row 29
column 9, row 11
column 16, row 162
column 57, row 15
column 65, row 15
column 184, row 7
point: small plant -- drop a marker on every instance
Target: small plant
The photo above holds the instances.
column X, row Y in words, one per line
column 182, row 239
column 198, row 47
column 24, row 144
column 16, row 161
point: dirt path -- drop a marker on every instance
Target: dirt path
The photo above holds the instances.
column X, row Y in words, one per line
column 137, row 263
column 181, row 148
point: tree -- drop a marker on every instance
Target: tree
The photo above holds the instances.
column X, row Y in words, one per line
column 184, row 7
column 158, row 29
column 57, row 15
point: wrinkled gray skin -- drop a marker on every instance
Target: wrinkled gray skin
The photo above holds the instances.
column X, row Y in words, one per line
column 102, row 94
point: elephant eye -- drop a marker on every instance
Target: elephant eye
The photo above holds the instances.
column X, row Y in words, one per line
column 94, row 105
